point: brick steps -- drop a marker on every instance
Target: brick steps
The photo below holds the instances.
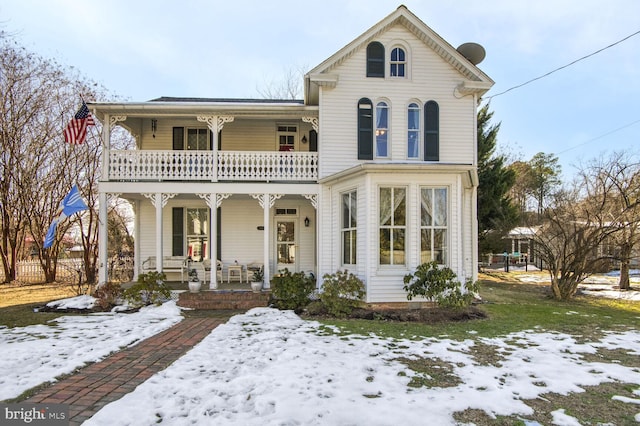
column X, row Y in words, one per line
column 224, row 299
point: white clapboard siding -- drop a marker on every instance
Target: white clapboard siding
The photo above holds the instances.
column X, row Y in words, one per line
column 431, row 78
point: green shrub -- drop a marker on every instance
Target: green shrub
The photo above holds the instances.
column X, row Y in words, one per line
column 150, row 289
column 342, row 292
column 107, row 295
column 439, row 284
column 292, row 290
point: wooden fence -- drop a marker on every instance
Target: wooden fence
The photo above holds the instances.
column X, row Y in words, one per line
column 70, row 270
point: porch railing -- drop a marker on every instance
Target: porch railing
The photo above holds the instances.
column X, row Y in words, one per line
column 141, row 165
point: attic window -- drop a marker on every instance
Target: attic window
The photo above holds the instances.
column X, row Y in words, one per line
column 398, row 62
column 375, row 60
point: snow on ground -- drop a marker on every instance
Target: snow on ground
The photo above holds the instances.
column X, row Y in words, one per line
column 37, row 354
column 601, row 285
column 269, row 367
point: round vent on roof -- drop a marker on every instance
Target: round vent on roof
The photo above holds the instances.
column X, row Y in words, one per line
column 472, row 51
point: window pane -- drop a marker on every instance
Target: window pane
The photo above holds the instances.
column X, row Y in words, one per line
column 354, row 210
column 398, row 246
column 385, row 206
column 385, row 246
column 197, row 221
column 440, row 207
column 349, row 247
column 426, row 207
column 399, row 212
column 346, row 220
column 425, row 246
column 382, row 129
column 413, row 144
column 440, row 245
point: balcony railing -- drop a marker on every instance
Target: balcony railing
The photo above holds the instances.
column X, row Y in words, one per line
column 148, row 165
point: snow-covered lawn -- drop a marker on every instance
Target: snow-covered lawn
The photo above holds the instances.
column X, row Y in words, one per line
column 37, row 354
column 269, row 367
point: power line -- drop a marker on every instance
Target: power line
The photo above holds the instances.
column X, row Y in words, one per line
column 563, row 67
column 600, row 137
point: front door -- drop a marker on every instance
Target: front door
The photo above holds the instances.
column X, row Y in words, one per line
column 286, row 244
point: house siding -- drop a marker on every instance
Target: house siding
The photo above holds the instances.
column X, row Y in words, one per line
column 431, row 78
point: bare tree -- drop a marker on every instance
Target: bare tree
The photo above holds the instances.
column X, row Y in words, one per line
column 573, row 228
column 619, row 174
column 287, row 86
column 37, row 99
column 31, row 101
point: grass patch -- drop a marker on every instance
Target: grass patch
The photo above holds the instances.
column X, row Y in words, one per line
column 17, row 293
column 513, row 307
column 594, row 406
column 24, row 315
column 18, row 301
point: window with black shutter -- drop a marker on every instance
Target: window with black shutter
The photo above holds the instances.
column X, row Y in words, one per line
column 177, row 234
column 431, row 131
column 365, row 129
column 375, row 59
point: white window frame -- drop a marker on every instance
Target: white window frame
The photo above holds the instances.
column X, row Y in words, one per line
column 393, row 226
column 199, row 130
column 417, row 131
column 433, row 227
column 380, row 130
column 350, row 229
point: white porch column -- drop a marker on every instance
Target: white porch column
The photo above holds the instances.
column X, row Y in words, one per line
column 159, row 200
column 266, row 202
column 136, row 242
column 213, row 200
column 215, row 124
column 102, row 239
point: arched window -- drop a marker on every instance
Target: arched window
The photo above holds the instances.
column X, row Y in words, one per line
column 382, row 129
column 365, row 129
column 375, row 59
column 431, row 131
column 398, row 62
column 413, row 130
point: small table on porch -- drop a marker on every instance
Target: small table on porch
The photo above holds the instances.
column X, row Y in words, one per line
column 234, row 272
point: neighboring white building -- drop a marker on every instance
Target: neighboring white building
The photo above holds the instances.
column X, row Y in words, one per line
column 374, row 171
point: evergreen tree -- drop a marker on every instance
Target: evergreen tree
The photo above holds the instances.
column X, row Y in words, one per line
column 496, row 211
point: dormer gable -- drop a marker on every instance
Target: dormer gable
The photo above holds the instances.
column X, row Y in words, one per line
column 473, row 79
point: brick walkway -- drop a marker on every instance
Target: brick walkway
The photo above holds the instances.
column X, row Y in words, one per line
column 96, row 385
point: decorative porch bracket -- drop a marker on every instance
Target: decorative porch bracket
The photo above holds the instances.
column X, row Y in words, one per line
column 270, row 199
column 159, row 197
column 313, row 121
column 313, row 198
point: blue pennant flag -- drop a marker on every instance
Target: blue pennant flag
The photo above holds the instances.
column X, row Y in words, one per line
column 72, row 203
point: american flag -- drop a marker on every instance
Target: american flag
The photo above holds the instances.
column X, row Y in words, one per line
column 76, row 130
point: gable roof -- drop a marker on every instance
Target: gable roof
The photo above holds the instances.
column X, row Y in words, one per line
column 475, row 80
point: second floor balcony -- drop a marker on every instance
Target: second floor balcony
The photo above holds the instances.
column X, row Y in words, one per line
column 213, row 166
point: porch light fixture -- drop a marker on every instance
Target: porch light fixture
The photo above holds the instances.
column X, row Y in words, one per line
column 306, row 222
column 154, row 126
column 304, row 139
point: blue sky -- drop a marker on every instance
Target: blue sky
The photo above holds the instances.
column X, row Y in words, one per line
column 140, row 50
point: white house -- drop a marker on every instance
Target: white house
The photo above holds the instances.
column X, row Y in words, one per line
column 374, row 171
